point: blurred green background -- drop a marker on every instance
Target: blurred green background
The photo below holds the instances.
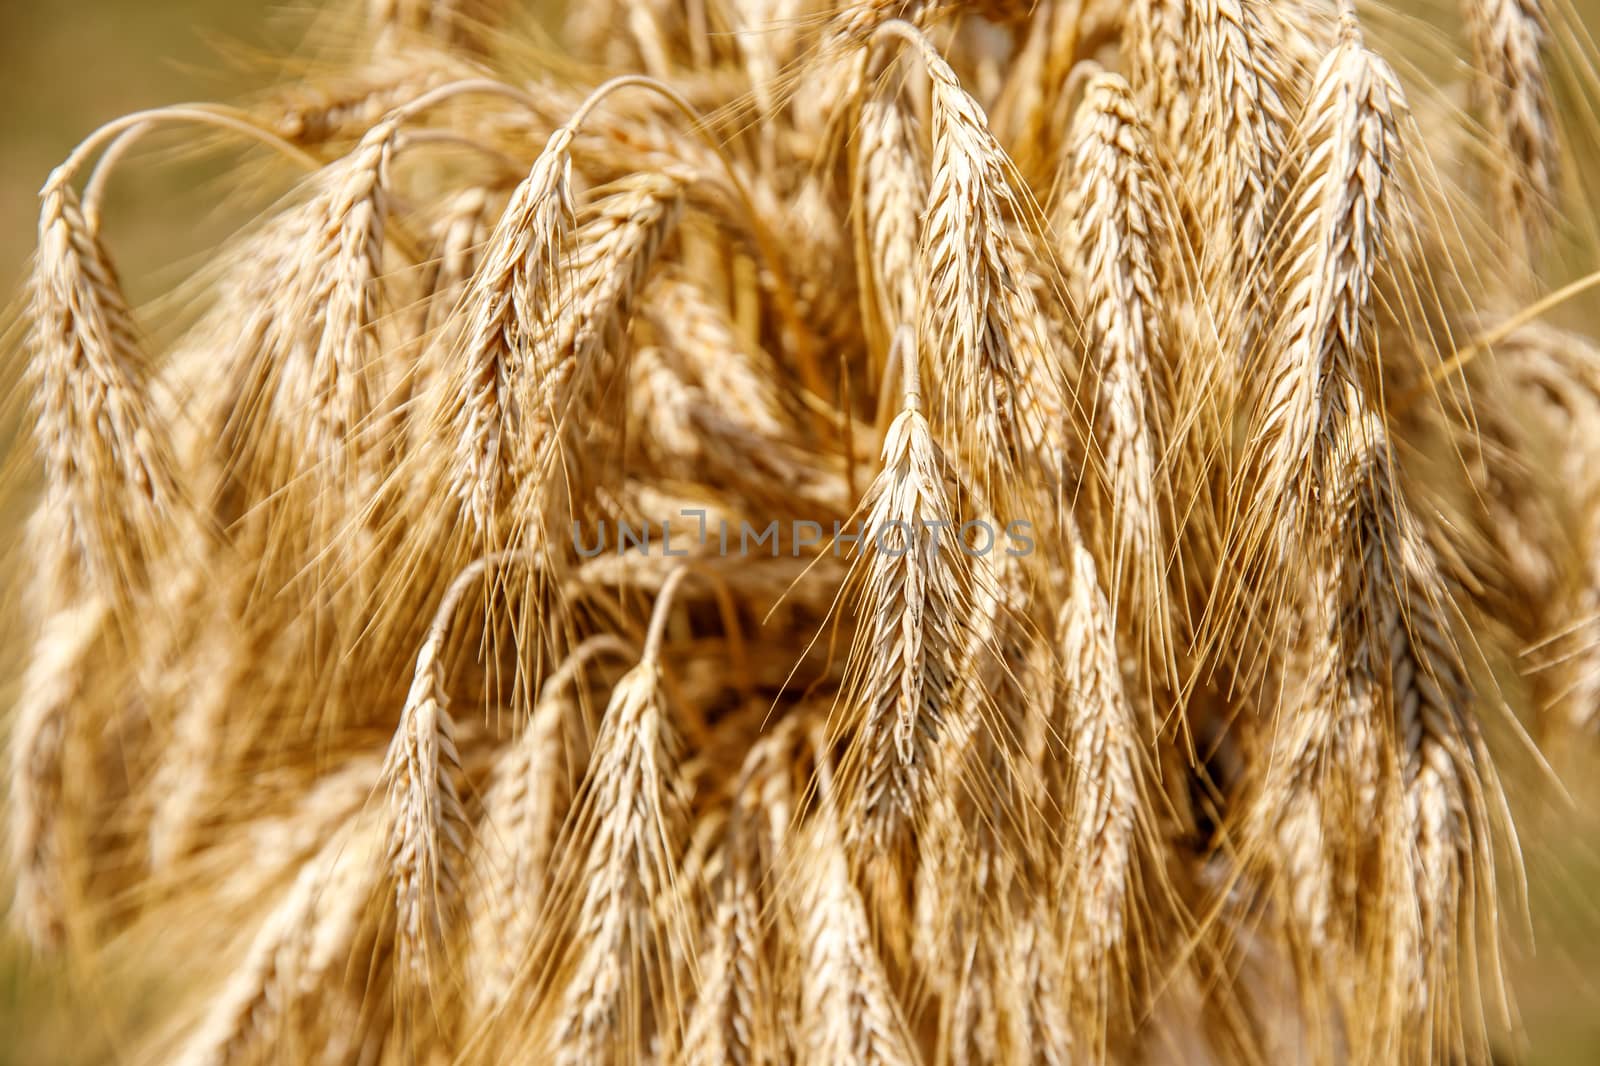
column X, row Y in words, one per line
column 66, row 66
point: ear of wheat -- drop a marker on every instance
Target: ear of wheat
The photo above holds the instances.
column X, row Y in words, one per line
column 874, row 532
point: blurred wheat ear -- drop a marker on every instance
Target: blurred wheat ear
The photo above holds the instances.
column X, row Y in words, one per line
column 825, row 532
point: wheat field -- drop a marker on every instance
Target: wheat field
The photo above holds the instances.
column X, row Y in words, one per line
column 821, row 531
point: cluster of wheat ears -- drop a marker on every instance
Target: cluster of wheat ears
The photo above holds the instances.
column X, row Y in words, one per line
column 1236, row 323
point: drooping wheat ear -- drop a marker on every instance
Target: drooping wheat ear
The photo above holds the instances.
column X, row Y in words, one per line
column 301, row 411
column 458, row 238
column 856, row 21
column 303, row 949
column 914, row 590
column 1560, row 372
column 1117, row 230
column 848, row 1009
column 734, row 1018
column 616, row 246
column 1406, row 645
column 107, row 455
column 619, row 935
column 344, row 381
column 1512, row 89
column 343, row 109
column 968, row 263
column 1338, row 236
column 427, row 822
column 40, row 813
column 1161, row 66
column 978, row 818
column 894, row 191
column 185, row 782
column 1107, row 801
column 624, row 860
column 1241, row 125
column 254, row 864
column 513, row 292
column 724, row 1025
column 527, row 801
column 668, row 430
column 1312, row 775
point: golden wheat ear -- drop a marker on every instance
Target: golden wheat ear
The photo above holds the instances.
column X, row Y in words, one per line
column 1340, row 223
column 105, row 442
column 298, row 956
column 914, row 589
column 970, row 261
column 1512, row 90
column 1117, row 230
column 514, row 856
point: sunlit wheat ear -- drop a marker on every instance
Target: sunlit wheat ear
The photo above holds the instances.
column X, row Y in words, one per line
column 734, row 1018
column 968, row 262
column 581, row 353
column 185, row 783
column 41, row 820
column 622, row 862
column 967, row 874
column 514, row 852
column 343, row 108
column 855, row 21
column 104, row 439
column 512, row 295
column 723, row 1025
column 344, row 368
column 432, row 334
column 1350, row 152
column 1557, row 370
column 300, row 953
column 1117, row 228
column 743, row 379
column 1512, row 89
column 1241, row 126
column 848, row 1010
column 1104, row 745
column 1322, row 758
column 1161, row 65
column 427, row 822
column 1447, row 788
column 327, row 313
column 913, row 593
